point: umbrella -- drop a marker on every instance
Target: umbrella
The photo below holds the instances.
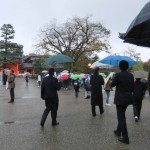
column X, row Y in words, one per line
column 115, row 60
column 58, row 59
column 100, row 65
column 75, row 76
column 65, row 71
column 140, row 74
column 64, row 77
column 103, row 75
column 138, row 32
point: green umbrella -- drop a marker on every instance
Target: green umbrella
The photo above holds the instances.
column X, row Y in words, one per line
column 57, row 59
column 75, row 76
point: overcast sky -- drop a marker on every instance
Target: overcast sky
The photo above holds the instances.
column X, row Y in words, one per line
column 28, row 16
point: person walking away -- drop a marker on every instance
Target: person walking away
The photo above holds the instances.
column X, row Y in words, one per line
column 96, row 82
column 39, row 80
column 87, row 88
column 49, row 88
column 148, row 82
column 65, row 84
column 107, row 89
column 76, row 85
column 138, row 95
column 4, row 78
column 11, row 86
column 27, row 80
column 124, row 83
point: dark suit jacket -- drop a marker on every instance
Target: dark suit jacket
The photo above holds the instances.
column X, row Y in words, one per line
column 124, row 82
column 49, row 89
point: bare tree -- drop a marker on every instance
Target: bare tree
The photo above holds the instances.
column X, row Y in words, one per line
column 133, row 54
column 74, row 38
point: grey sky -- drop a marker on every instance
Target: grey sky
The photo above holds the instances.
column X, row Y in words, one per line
column 27, row 16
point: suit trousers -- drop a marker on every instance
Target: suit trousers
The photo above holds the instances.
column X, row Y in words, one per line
column 137, row 105
column 122, row 127
column 50, row 106
column 12, row 95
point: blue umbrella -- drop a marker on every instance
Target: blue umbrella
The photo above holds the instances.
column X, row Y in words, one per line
column 115, row 60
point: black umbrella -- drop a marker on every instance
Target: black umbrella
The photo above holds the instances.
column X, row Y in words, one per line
column 138, row 32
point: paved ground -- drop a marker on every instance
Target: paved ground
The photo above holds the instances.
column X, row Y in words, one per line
column 78, row 130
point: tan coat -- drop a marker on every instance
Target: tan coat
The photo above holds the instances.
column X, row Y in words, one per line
column 108, row 86
column 11, row 81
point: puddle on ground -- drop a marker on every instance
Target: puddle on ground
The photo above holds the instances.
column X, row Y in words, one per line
column 9, row 122
column 12, row 122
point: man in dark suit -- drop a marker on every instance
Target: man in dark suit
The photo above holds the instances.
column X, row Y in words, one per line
column 49, row 88
column 149, row 83
column 124, row 82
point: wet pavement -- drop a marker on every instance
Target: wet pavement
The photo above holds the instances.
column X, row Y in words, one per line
column 78, row 130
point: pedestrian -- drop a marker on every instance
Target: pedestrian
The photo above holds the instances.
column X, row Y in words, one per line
column 49, row 88
column 76, row 84
column 96, row 82
column 11, row 85
column 87, row 88
column 148, row 82
column 4, row 77
column 65, row 84
column 124, row 83
column 26, row 79
column 39, row 80
column 138, row 95
column 107, row 89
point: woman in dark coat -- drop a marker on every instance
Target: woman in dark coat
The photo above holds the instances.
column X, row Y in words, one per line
column 96, row 82
column 138, row 95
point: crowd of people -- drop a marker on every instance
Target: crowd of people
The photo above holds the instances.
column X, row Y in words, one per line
column 127, row 91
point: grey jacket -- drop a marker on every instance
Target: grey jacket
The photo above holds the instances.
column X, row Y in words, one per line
column 11, row 81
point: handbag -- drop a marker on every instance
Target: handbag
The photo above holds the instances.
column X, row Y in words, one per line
column 6, row 85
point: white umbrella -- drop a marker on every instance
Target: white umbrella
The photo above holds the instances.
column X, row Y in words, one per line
column 140, row 74
column 100, row 65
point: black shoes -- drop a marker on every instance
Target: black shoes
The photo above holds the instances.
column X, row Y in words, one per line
column 42, row 125
column 55, row 124
column 94, row 115
column 101, row 112
column 116, row 133
column 123, row 140
column 11, row 101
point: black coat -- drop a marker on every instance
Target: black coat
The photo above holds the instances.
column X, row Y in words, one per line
column 139, row 90
column 149, row 82
column 124, row 82
column 96, row 82
column 49, row 89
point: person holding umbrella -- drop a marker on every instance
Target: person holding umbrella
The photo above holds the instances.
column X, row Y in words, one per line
column 124, row 83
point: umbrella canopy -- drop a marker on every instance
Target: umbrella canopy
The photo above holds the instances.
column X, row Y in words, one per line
column 138, row 32
column 75, row 76
column 100, row 65
column 64, row 77
column 115, row 60
column 65, row 71
column 58, row 59
column 140, row 74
